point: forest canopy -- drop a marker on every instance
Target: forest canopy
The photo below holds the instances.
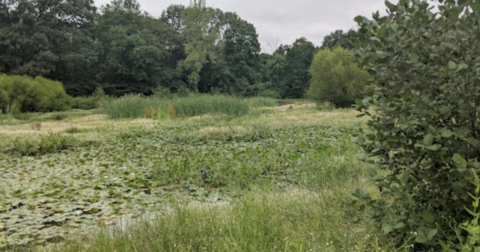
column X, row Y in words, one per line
column 122, row 49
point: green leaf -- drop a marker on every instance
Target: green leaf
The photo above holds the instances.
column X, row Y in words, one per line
column 428, row 140
column 462, row 66
column 452, row 65
column 421, row 238
column 359, row 19
column 446, row 133
column 382, row 31
column 371, row 172
column 391, row 7
column 387, row 228
column 459, row 160
column 399, row 225
column 414, row 58
column 426, row 235
column 431, row 234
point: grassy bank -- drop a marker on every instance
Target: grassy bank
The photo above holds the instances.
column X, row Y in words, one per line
column 290, row 219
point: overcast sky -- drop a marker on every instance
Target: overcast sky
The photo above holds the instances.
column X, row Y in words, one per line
column 283, row 21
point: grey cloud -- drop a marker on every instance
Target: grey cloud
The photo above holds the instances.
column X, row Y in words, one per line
column 283, row 21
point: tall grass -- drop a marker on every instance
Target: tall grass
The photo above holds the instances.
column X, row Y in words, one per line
column 134, row 106
column 269, row 222
column 130, row 106
column 257, row 102
column 6, row 119
column 196, row 105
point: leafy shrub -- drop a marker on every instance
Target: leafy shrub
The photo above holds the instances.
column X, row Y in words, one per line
column 47, row 95
column 336, row 78
column 256, row 102
column 424, row 133
column 26, row 94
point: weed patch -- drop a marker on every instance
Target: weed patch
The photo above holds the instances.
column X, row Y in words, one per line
column 52, row 143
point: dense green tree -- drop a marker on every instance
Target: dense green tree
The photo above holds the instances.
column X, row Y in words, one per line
column 48, row 38
column 336, row 78
column 287, row 70
column 241, row 60
column 173, row 16
column 272, row 69
column 124, row 50
column 297, row 77
column 221, row 49
column 201, row 33
column 339, row 38
column 136, row 50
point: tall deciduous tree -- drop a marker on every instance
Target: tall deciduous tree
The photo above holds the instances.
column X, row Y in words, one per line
column 299, row 58
column 339, row 38
column 241, row 51
column 136, row 50
column 201, row 33
column 173, row 16
column 336, row 78
column 288, row 68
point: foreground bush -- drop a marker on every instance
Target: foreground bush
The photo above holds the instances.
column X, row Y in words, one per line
column 424, row 133
column 26, row 94
column 134, row 106
column 336, row 78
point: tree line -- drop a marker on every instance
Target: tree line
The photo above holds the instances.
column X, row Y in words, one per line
column 123, row 49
